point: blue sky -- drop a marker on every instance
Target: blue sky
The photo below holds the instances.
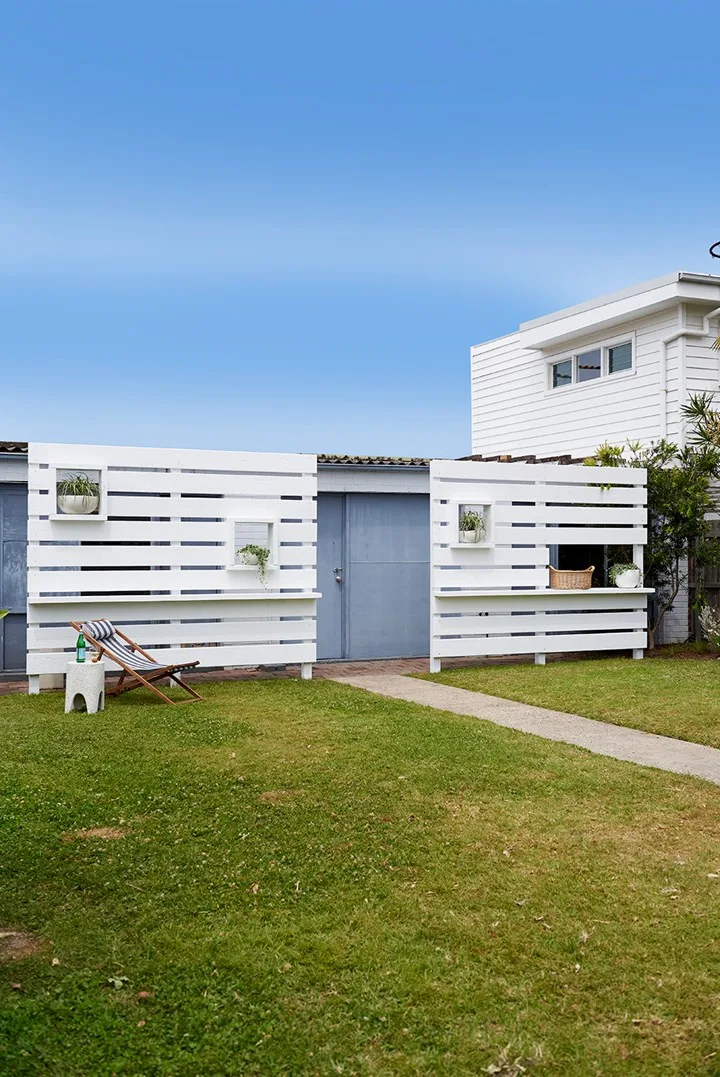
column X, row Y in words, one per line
column 281, row 225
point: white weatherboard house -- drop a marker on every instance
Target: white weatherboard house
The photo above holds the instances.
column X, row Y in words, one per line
column 614, row 369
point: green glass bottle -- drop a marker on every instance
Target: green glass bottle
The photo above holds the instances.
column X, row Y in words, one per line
column 80, row 648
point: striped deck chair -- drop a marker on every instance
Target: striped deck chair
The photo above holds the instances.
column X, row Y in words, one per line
column 139, row 669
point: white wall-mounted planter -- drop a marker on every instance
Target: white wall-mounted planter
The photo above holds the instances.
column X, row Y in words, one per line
column 480, row 539
column 629, row 580
column 78, row 504
column 78, row 507
column 252, row 531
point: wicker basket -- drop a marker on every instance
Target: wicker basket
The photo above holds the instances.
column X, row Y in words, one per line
column 571, row 579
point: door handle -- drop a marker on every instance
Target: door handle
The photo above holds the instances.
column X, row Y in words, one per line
column 338, row 574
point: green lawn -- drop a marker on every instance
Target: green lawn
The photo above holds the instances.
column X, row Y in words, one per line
column 677, row 697
column 314, row 880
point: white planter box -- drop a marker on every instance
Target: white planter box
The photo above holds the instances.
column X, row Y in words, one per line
column 78, row 504
column 628, row 581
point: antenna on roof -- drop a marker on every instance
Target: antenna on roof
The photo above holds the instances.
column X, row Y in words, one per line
column 715, row 250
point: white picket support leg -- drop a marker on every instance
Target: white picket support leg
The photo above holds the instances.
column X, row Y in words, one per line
column 638, row 653
column 34, row 685
column 540, row 659
column 435, row 665
column 306, row 671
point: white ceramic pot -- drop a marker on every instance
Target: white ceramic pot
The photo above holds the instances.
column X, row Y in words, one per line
column 250, row 559
column 629, row 579
column 78, row 504
column 470, row 536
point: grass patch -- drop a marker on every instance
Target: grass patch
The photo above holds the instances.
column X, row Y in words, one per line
column 314, row 880
column 676, row 698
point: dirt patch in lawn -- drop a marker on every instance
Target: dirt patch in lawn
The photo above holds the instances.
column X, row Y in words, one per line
column 280, row 796
column 105, row 833
column 15, row 945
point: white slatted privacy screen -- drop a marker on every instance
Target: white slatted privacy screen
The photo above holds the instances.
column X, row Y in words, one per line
column 494, row 598
column 163, row 564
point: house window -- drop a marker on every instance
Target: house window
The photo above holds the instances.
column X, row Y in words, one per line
column 619, row 357
column 562, row 373
column 598, row 362
column 589, row 365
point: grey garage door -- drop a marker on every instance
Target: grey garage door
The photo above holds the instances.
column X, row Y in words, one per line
column 13, row 576
column 374, row 575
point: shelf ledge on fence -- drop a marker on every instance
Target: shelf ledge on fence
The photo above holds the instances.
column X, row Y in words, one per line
column 108, row 600
column 534, row 592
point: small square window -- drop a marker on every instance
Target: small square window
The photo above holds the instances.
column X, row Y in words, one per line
column 619, row 357
column 589, row 365
column 562, row 373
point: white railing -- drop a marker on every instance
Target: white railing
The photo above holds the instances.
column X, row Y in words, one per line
column 492, row 596
column 159, row 555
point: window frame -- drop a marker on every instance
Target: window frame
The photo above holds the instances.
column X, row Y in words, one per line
column 603, row 346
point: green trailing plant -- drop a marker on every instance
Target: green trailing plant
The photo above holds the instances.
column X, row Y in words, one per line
column 472, row 521
column 679, row 498
column 710, row 623
column 617, row 570
column 3, row 613
column 262, row 553
column 78, row 485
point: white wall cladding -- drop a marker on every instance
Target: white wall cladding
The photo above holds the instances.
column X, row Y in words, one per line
column 162, row 565
column 513, row 411
column 496, row 600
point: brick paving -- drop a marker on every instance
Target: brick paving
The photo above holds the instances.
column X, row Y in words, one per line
column 334, row 670
column 321, row 671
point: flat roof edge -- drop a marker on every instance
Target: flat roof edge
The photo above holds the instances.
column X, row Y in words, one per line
column 612, row 297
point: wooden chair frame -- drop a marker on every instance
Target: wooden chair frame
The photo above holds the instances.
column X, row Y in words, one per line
column 136, row 679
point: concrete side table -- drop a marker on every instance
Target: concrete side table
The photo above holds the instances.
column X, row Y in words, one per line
column 85, row 681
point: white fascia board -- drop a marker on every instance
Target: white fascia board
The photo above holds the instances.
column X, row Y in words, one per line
column 603, row 314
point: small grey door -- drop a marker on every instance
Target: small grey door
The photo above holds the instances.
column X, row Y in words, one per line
column 330, row 557
column 13, row 576
column 374, row 575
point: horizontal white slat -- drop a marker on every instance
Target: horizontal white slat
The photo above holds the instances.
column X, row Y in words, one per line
column 144, row 556
column 172, row 579
column 155, row 482
column 538, row 622
column 89, row 456
column 501, row 645
column 563, row 493
column 491, row 556
column 124, row 612
column 565, row 473
column 68, row 530
column 595, row 599
column 574, row 536
column 489, row 577
column 251, row 655
column 147, row 636
column 200, row 508
column 608, row 515
column 188, row 483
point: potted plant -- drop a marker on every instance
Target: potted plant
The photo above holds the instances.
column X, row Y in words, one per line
column 78, row 495
column 472, row 526
column 256, row 555
column 626, row 576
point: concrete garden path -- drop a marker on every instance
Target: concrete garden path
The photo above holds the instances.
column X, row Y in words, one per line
column 632, row 745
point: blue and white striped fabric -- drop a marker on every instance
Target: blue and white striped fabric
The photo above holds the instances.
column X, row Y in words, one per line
column 104, row 632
